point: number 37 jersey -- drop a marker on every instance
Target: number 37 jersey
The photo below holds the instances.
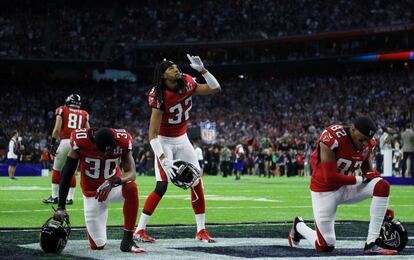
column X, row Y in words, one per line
column 72, row 119
column 95, row 166
column 348, row 157
column 176, row 108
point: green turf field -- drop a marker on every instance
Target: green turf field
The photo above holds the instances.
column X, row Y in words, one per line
column 252, row 199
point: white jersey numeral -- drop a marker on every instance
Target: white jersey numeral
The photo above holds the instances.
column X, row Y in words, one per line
column 95, row 168
column 345, row 164
column 178, row 109
column 74, row 121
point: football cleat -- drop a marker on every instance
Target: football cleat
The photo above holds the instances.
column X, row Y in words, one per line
column 142, row 236
column 128, row 245
column 294, row 236
column 69, row 202
column 204, row 236
column 375, row 248
column 50, row 200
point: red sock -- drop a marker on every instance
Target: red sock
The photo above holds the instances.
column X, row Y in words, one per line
column 130, row 194
column 151, row 203
column 55, row 177
column 197, row 201
column 73, row 181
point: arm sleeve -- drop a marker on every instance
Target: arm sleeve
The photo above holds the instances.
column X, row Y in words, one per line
column 330, row 174
column 65, row 178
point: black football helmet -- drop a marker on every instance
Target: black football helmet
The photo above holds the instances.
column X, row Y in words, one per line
column 54, row 235
column 73, row 100
column 393, row 235
column 186, row 175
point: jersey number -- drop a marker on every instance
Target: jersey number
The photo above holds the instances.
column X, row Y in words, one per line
column 178, row 109
column 95, row 168
column 344, row 165
column 339, row 131
column 74, row 121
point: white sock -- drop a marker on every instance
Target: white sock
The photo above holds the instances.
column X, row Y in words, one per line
column 55, row 190
column 143, row 220
column 378, row 208
column 71, row 193
column 201, row 221
column 307, row 233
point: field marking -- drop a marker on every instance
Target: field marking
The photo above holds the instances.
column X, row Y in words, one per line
column 172, row 249
column 23, row 188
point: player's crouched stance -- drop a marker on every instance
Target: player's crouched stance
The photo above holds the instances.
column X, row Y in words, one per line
column 339, row 152
column 100, row 153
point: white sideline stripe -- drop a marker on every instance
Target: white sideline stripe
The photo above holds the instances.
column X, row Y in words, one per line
column 170, row 249
column 185, row 208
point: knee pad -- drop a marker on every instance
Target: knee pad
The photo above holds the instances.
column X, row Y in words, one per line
column 161, row 188
column 382, row 189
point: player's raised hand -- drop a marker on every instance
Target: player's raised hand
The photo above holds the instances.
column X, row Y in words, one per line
column 196, row 63
column 103, row 191
column 169, row 167
column 370, row 175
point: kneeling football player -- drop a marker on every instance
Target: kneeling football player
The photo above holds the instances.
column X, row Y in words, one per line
column 340, row 151
column 101, row 153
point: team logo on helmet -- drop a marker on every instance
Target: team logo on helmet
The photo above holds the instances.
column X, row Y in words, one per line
column 393, row 235
column 73, row 100
column 54, row 236
column 186, row 175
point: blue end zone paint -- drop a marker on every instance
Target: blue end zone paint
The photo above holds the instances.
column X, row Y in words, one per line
column 22, row 169
column 399, row 180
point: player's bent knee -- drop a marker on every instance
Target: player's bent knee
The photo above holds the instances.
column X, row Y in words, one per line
column 323, row 248
column 382, row 188
column 161, row 188
column 97, row 244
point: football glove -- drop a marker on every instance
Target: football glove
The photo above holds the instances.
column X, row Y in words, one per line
column 169, row 168
column 53, row 147
column 196, row 63
column 103, row 191
column 370, row 175
column 61, row 215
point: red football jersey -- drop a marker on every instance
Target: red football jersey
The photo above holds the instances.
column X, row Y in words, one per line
column 176, row 108
column 96, row 167
column 72, row 119
column 348, row 158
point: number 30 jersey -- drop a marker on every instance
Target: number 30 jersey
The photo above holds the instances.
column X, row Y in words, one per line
column 348, row 158
column 95, row 166
column 72, row 119
column 176, row 108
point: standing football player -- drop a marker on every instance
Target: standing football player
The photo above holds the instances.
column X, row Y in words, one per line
column 340, row 151
column 101, row 154
column 171, row 100
column 68, row 118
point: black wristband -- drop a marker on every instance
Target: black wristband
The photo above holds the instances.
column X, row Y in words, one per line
column 53, row 142
column 116, row 180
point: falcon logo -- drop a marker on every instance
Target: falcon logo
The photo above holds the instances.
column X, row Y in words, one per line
column 327, row 138
column 188, row 87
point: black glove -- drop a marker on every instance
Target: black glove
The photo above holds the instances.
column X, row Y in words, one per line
column 61, row 215
column 53, row 147
column 103, row 191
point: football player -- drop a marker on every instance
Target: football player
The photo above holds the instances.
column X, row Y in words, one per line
column 340, row 151
column 68, row 118
column 100, row 153
column 171, row 100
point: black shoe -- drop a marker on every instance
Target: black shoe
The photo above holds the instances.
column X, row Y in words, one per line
column 13, row 178
column 375, row 248
column 294, row 236
column 50, row 200
column 129, row 245
column 69, row 202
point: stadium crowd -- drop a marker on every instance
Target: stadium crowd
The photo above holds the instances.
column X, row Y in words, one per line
column 276, row 118
column 71, row 31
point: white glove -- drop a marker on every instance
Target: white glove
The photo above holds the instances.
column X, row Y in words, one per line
column 169, row 167
column 196, row 63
